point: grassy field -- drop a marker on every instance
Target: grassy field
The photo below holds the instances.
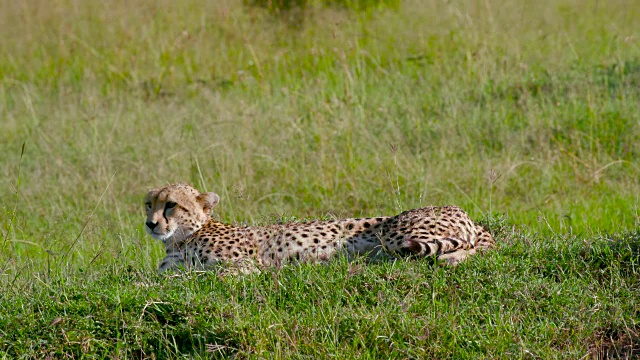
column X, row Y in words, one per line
column 525, row 113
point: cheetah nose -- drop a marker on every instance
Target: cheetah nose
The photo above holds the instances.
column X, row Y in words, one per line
column 151, row 225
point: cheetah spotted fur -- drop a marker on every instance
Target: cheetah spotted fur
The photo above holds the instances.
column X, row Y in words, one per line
column 178, row 215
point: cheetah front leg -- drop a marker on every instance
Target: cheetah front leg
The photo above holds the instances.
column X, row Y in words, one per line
column 172, row 262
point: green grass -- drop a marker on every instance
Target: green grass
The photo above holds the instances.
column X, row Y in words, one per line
column 524, row 113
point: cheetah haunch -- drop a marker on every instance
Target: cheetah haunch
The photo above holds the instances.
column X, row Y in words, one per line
column 178, row 215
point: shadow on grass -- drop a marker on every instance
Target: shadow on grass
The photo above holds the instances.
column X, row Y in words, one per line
column 186, row 335
column 218, row 344
column 619, row 251
column 612, row 79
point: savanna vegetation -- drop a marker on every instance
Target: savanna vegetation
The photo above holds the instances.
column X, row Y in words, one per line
column 525, row 113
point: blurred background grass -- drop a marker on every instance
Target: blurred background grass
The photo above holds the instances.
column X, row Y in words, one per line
column 526, row 108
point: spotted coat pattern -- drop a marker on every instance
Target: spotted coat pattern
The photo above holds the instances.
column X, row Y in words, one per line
column 179, row 216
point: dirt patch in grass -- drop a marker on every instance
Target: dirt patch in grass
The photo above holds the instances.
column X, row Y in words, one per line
column 616, row 344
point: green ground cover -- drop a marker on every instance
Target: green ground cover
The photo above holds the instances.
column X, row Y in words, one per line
column 523, row 113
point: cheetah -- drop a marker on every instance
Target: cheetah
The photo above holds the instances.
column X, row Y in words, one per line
column 178, row 215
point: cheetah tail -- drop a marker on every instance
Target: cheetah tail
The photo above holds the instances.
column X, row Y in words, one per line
column 484, row 239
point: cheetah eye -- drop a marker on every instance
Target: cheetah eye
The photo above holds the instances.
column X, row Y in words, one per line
column 170, row 205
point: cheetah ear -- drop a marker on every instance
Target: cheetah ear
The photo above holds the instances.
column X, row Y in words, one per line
column 151, row 194
column 208, row 200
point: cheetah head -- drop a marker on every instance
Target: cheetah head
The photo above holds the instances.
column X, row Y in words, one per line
column 176, row 211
